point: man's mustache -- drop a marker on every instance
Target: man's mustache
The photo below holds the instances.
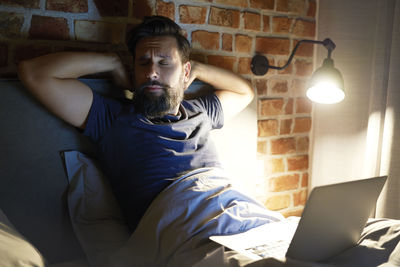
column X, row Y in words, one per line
column 150, row 83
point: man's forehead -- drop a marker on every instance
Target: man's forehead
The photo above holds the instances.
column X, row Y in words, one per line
column 166, row 45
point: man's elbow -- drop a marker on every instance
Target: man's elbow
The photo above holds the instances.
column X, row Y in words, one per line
column 25, row 71
column 29, row 74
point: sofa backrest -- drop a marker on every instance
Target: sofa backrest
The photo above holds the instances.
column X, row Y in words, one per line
column 32, row 179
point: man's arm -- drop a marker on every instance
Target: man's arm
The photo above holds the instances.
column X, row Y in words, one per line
column 234, row 92
column 52, row 79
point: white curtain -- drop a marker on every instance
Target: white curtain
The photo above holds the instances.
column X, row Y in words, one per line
column 359, row 137
column 389, row 202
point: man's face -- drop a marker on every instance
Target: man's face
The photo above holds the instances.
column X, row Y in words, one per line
column 160, row 76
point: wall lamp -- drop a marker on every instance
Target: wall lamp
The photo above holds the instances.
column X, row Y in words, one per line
column 326, row 84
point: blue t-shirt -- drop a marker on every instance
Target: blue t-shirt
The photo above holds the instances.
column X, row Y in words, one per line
column 141, row 157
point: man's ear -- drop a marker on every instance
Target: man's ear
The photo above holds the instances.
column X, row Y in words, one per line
column 187, row 67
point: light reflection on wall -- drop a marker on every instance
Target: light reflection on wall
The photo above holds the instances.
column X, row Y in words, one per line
column 379, row 143
column 236, row 143
column 388, row 132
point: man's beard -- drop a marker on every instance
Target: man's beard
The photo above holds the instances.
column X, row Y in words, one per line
column 157, row 106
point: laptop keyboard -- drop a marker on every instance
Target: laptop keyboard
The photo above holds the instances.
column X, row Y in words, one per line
column 276, row 249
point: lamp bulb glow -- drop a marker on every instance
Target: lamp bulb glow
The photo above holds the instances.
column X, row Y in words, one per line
column 325, row 93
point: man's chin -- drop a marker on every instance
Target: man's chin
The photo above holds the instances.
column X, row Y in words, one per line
column 152, row 96
column 153, row 108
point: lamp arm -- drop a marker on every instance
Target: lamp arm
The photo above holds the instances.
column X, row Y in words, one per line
column 260, row 65
column 327, row 43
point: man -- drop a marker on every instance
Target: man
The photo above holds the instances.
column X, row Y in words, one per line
column 146, row 143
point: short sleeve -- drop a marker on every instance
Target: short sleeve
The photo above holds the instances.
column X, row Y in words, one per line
column 211, row 104
column 102, row 114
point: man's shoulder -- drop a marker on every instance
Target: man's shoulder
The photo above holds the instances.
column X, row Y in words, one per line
column 112, row 105
column 111, row 100
column 201, row 101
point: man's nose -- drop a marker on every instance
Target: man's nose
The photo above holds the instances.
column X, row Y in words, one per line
column 152, row 72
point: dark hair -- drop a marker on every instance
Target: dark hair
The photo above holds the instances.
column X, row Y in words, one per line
column 159, row 26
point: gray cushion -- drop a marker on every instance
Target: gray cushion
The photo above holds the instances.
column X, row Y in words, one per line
column 33, row 183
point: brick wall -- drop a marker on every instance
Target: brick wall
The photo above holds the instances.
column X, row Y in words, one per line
column 226, row 33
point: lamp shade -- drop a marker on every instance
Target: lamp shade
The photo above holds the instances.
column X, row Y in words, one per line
column 326, row 84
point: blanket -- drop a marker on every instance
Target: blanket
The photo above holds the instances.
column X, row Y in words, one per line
column 175, row 229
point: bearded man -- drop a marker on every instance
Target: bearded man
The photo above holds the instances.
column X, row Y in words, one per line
column 146, row 143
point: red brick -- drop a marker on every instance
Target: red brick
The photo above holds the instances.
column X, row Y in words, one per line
column 303, row 67
column 291, row 6
column 312, row 9
column 262, row 4
column 198, row 57
column 281, row 24
column 261, row 86
column 244, row 65
column 118, row 8
column 303, row 105
column 287, row 70
column 243, row 43
column 22, row 52
column 205, row 40
column 283, row 146
column 273, row 46
column 298, row 163
column 267, row 128
column 252, row 21
column 278, row 86
column 11, row 24
column 238, row 3
column 304, row 180
column 224, row 17
column 99, row 31
column 293, row 212
column 305, row 49
column 262, row 147
column 278, row 202
column 74, row 6
column 266, row 24
column 224, row 62
column 299, row 87
column 300, row 198
column 274, row 165
column 48, row 28
column 270, row 107
column 286, row 126
column 302, row 125
column 289, row 106
column 302, row 144
column 284, row 183
column 227, row 41
column 164, row 9
column 3, row 55
column 21, row 3
column 304, row 28
column 192, row 14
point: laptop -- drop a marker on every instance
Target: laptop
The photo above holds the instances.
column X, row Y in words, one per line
column 332, row 221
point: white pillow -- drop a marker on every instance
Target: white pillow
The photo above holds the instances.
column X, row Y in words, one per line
column 15, row 250
column 96, row 217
